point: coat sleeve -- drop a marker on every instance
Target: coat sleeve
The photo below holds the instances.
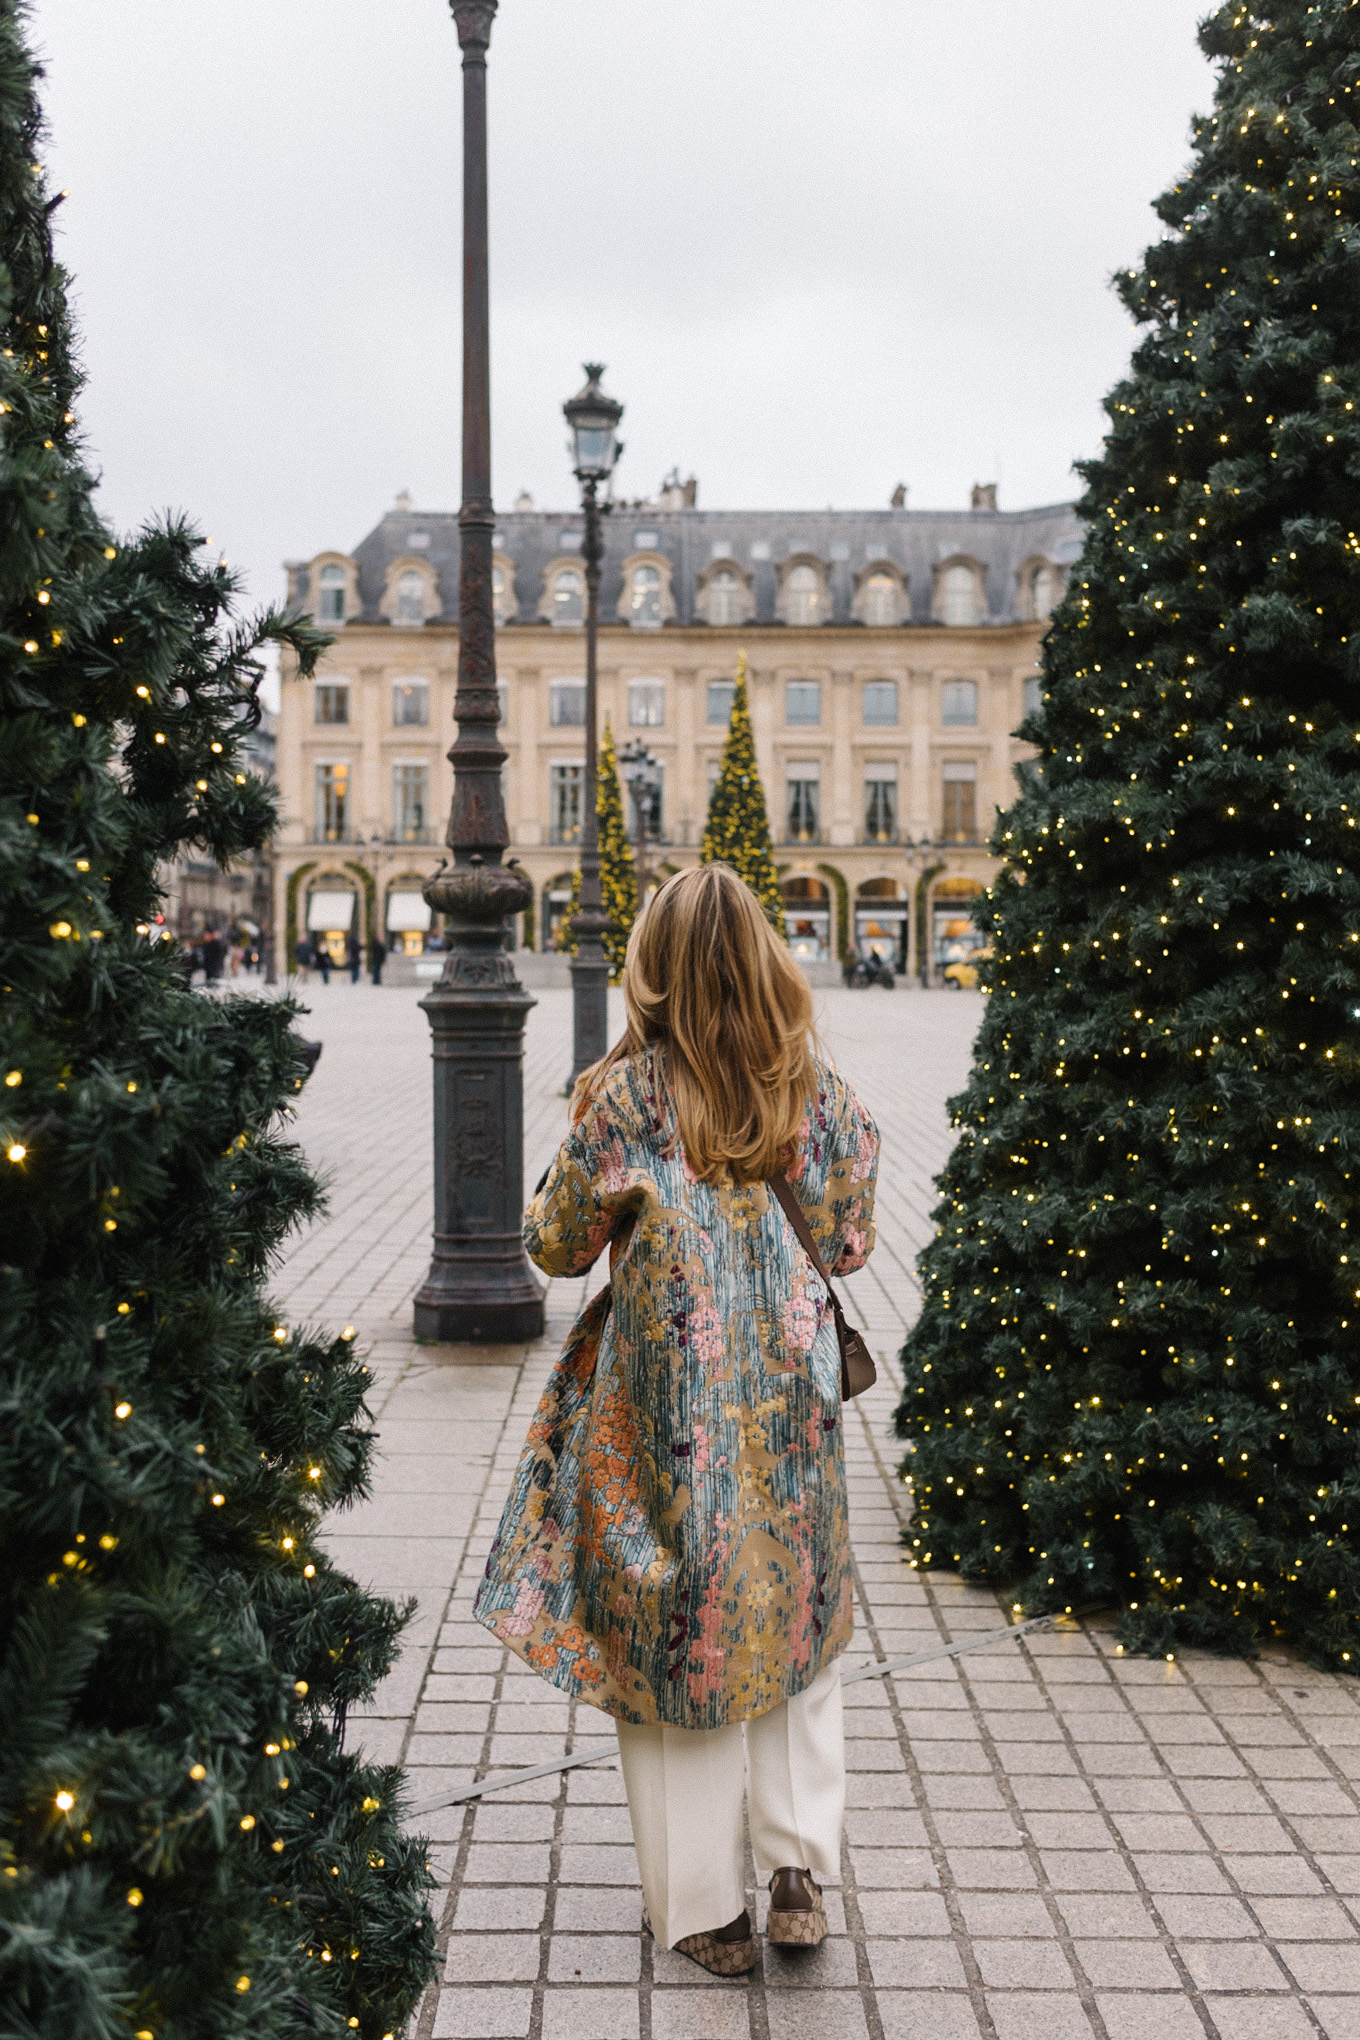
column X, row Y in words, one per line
column 844, row 1225
column 589, row 1193
column 566, row 1228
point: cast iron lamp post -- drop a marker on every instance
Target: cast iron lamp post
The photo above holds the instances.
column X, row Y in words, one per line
column 594, row 421
column 641, row 773
column 480, row 1288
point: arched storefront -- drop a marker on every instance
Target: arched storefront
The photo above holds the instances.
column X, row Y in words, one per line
column 955, row 943
column 882, row 916
column 807, row 917
column 332, row 913
column 407, row 919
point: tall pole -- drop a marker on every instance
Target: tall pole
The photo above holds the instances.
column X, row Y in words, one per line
column 589, row 968
column 480, row 1289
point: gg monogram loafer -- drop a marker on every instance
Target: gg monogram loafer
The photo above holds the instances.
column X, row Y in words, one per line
column 797, row 1915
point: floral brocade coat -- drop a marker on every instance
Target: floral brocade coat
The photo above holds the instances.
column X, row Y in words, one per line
column 675, row 1547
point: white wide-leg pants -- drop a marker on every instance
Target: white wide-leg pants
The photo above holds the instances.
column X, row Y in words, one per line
column 684, row 1798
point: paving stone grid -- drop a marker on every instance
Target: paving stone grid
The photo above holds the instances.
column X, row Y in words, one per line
column 1045, row 1840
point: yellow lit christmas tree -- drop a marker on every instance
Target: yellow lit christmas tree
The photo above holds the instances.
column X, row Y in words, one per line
column 618, row 873
column 737, row 830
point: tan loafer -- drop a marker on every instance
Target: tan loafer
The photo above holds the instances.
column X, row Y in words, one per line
column 727, row 1951
column 797, row 1915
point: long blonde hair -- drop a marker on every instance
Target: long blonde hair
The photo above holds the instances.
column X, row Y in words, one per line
column 707, row 979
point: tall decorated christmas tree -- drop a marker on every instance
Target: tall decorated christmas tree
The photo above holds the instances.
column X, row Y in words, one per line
column 186, row 1851
column 618, row 872
column 1136, row 1376
column 737, row 829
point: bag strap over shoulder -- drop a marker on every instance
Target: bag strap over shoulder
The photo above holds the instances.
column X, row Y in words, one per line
column 797, row 1218
column 857, row 1366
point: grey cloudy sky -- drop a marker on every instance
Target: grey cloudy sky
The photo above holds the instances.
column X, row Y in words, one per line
column 822, row 249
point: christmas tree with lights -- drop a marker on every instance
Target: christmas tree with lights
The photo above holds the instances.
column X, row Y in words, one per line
column 618, row 872
column 737, row 828
column 1136, row 1376
column 186, row 1851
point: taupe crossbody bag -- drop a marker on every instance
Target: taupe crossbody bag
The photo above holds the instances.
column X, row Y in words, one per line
column 857, row 1363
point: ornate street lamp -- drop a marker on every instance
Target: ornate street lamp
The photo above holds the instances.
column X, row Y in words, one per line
column 480, row 1288
column 641, row 773
column 594, row 421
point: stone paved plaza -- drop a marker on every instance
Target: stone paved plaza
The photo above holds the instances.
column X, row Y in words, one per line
column 1046, row 1840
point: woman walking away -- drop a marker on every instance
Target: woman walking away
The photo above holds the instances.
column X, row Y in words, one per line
column 675, row 1547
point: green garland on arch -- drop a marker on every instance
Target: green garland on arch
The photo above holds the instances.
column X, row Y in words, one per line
column 290, row 907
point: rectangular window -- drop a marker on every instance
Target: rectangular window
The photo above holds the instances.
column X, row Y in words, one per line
column 720, row 695
column 959, row 703
column 410, row 702
column 959, row 806
column 1034, row 694
column 880, row 702
column 567, row 782
column 802, row 791
column 567, row 707
column 331, row 703
column 332, row 595
column 411, row 803
column 332, row 803
column 647, row 704
column 880, row 803
column 803, row 701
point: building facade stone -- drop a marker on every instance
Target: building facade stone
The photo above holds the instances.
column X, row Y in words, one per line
column 890, row 657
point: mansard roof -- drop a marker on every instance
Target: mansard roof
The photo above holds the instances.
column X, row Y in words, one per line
column 916, row 542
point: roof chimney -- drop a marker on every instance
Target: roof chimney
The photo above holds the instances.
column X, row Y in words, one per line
column 899, row 496
column 984, row 496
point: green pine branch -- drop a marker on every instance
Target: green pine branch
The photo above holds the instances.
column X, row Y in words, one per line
column 176, row 1649
column 1135, row 1375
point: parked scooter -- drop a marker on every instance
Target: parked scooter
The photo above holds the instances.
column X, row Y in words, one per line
column 871, row 970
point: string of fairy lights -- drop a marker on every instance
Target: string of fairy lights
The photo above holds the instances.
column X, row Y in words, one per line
column 1168, row 761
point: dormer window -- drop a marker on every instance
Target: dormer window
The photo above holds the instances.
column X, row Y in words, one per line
column 878, row 599
column 331, row 606
column 724, row 597
column 503, row 592
column 410, row 603
column 804, row 602
column 958, row 603
column 644, row 598
column 1045, row 591
column 567, row 593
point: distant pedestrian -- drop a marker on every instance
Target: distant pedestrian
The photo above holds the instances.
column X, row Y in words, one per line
column 377, row 957
column 354, row 956
column 302, row 957
column 322, row 956
column 214, row 955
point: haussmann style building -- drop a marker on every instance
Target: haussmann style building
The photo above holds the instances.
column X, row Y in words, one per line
column 890, row 656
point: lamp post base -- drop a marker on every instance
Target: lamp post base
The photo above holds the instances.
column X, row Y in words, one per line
column 480, row 1289
column 454, row 1308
